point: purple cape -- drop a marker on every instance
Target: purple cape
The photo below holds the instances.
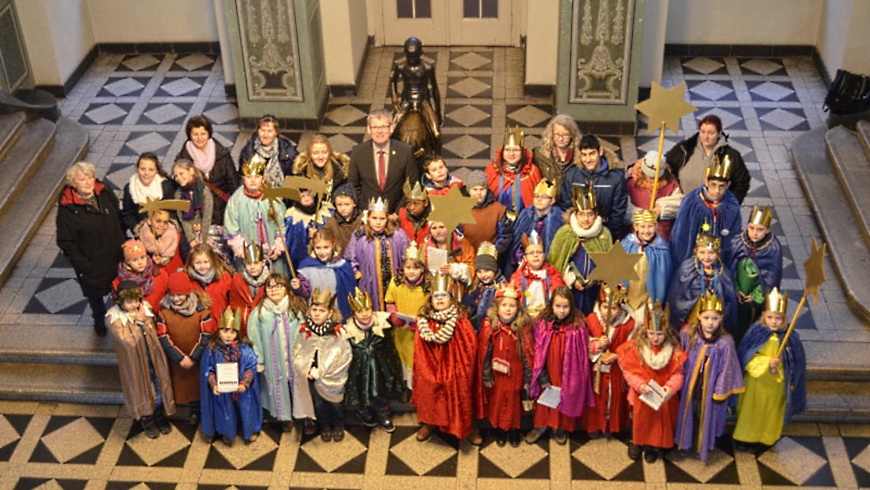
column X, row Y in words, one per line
column 576, row 383
column 362, row 256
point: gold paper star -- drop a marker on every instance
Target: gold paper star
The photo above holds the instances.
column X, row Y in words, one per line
column 815, row 270
column 452, row 208
column 316, row 186
column 152, row 205
column 614, row 266
column 273, row 194
column 665, row 106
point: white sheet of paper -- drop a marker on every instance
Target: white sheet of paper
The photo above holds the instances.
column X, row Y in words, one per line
column 654, row 398
column 227, row 376
column 551, row 397
column 408, row 319
column 435, row 257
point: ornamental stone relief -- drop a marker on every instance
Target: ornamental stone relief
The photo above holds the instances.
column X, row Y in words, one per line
column 601, row 51
column 270, row 49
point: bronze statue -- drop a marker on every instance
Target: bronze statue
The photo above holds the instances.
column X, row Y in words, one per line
column 417, row 115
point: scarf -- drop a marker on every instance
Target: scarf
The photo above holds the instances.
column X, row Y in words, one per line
column 274, row 173
column 145, row 279
column 230, row 352
column 165, row 245
column 193, row 193
column 325, row 328
column 446, row 317
column 586, row 233
column 203, row 279
column 656, row 361
column 203, row 160
column 255, row 282
column 278, row 308
column 141, row 192
column 191, row 304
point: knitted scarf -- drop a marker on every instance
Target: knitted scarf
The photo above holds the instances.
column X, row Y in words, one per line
column 191, row 304
column 144, row 280
column 202, row 159
column 193, row 192
column 141, row 192
column 274, row 173
column 447, row 318
column 203, row 279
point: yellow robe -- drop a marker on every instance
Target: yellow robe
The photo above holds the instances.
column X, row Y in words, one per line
column 761, row 409
column 408, row 301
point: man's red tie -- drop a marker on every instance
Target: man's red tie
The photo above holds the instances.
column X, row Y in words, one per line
column 382, row 170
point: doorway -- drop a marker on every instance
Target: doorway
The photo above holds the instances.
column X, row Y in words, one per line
column 449, row 22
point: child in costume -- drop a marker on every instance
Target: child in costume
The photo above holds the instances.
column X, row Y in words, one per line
column 639, row 182
column 697, row 275
column 413, row 216
column 506, row 354
column 654, row 266
column 776, row 387
column 755, row 262
column 376, row 251
column 583, row 232
column 561, row 360
column 493, row 224
column 445, row 367
column 224, row 412
column 161, row 238
column 543, row 217
column 712, row 375
column 487, row 277
column 610, row 326
column 141, row 361
column 301, row 220
column 272, row 328
column 347, row 217
column 407, row 294
column 249, row 286
column 513, row 175
column 375, row 373
column 324, row 268
column 184, row 327
column 209, row 276
column 460, row 256
column 653, row 354
column 138, row 268
column 196, row 221
column 536, row 278
column 321, row 360
column 436, row 177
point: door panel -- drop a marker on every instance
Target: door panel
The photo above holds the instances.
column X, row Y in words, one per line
column 450, row 22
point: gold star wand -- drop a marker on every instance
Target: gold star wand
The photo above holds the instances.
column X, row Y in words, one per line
column 666, row 106
column 274, row 195
column 815, row 277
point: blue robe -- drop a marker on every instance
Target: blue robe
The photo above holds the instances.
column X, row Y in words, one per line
column 658, row 256
column 794, row 363
column 724, row 219
column 687, row 285
column 337, row 275
column 527, row 221
column 767, row 256
column 221, row 413
column 479, row 299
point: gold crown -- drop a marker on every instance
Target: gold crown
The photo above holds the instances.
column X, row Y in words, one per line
column 379, row 204
column 359, row 300
column 709, row 241
column 325, row 297
column 253, row 253
column 507, row 290
column 611, row 295
column 720, row 168
column 644, row 216
column 417, row 192
column 231, row 319
column 760, row 216
column 413, row 252
column 657, row 317
column 441, row 283
column 255, row 166
column 546, row 187
column 774, row 301
column 709, row 301
column 487, row 248
column 513, row 137
column 531, row 239
column 584, row 197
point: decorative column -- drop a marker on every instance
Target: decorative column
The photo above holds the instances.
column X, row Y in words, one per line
column 600, row 44
column 277, row 50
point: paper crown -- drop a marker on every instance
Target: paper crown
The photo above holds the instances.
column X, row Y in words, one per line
column 657, row 317
column 323, row 297
column 546, row 187
column 610, row 295
column 133, row 249
column 584, row 197
column 413, row 252
column 507, row 290
column 644, row 216
column 231, row 319
column 709, row 301
column 359, row 300
column 416, row 192
column 487, row 248
column 720, row 168
column 254, row 166
column 379, row 204
column 253, row 253
column 531, row 239
column 441, row 283
column 774, row 301
column 760, row 216
column 708, row 241
column 513, row 137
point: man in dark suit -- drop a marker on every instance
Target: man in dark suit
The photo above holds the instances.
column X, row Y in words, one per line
column 379, row 167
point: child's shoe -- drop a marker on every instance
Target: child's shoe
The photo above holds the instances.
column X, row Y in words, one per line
column 383, row 417
column 338, row 434
column 149, row 427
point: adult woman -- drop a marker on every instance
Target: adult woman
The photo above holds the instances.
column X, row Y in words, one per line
column 149, row 181
column 213, row 161
column 559, row 150
column 318, row 161
column 277, row 151
column 89, row 235
column 512, row 176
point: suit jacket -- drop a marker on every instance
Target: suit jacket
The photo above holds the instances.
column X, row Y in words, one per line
column 363, row 175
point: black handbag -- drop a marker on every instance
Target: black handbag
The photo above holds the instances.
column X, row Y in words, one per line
column 849, row 93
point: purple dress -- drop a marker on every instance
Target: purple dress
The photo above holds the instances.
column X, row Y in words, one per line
column 376, row 261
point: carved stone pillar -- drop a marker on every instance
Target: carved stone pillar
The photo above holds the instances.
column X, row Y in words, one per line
column 277, row 51
column 599, row 63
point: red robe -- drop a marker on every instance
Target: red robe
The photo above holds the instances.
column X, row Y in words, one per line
column 240, row 299
column 501, row 404
column 444, row 377
column 218, row 291
column 612, row 392
column 416, row 236
column 651, row 427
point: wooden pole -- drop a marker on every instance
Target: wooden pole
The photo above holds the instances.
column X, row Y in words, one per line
column 791, row 325
column 655, row 189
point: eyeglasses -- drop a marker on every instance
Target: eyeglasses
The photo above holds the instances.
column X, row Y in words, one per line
column 562, row 136
column 275, row 286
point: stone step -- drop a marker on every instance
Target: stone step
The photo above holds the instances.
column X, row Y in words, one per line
column 69, row 383
column 852, row 169
column 25, row 214
column 844, row 402
column 846, row 245
column 863, row 128
column 10, row 131
column 24, row 159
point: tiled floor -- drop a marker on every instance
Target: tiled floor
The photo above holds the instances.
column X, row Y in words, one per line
column 137, row 103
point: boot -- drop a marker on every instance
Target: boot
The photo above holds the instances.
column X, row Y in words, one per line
column 193, row 419
column 162, row 422
column 149, row 427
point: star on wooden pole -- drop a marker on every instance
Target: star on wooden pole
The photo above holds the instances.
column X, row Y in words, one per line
column 452, row 209
column 815, row 269
column 316, row 186
column 273, row 194
column 151, row 205
column 614, row 266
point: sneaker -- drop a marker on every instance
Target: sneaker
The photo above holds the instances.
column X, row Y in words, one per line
column 424, row 433
column 634, row 452
column 651, row 455
column 535, row 435
column 326, row 435
column 500, row 437
column 310, row 427
column 383, row 417
column 560, row 437
column 514, row 437
column 367, row 418
column 149, row 427
column 162, row 422
column 337, row 434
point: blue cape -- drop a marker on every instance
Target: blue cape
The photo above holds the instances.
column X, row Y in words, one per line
column 766, row 255
column 686, row 287
column 725, row 220
column 344, row 280
column 794, row 363
column 524, row 225
column 658, row 255
column 219, row 411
